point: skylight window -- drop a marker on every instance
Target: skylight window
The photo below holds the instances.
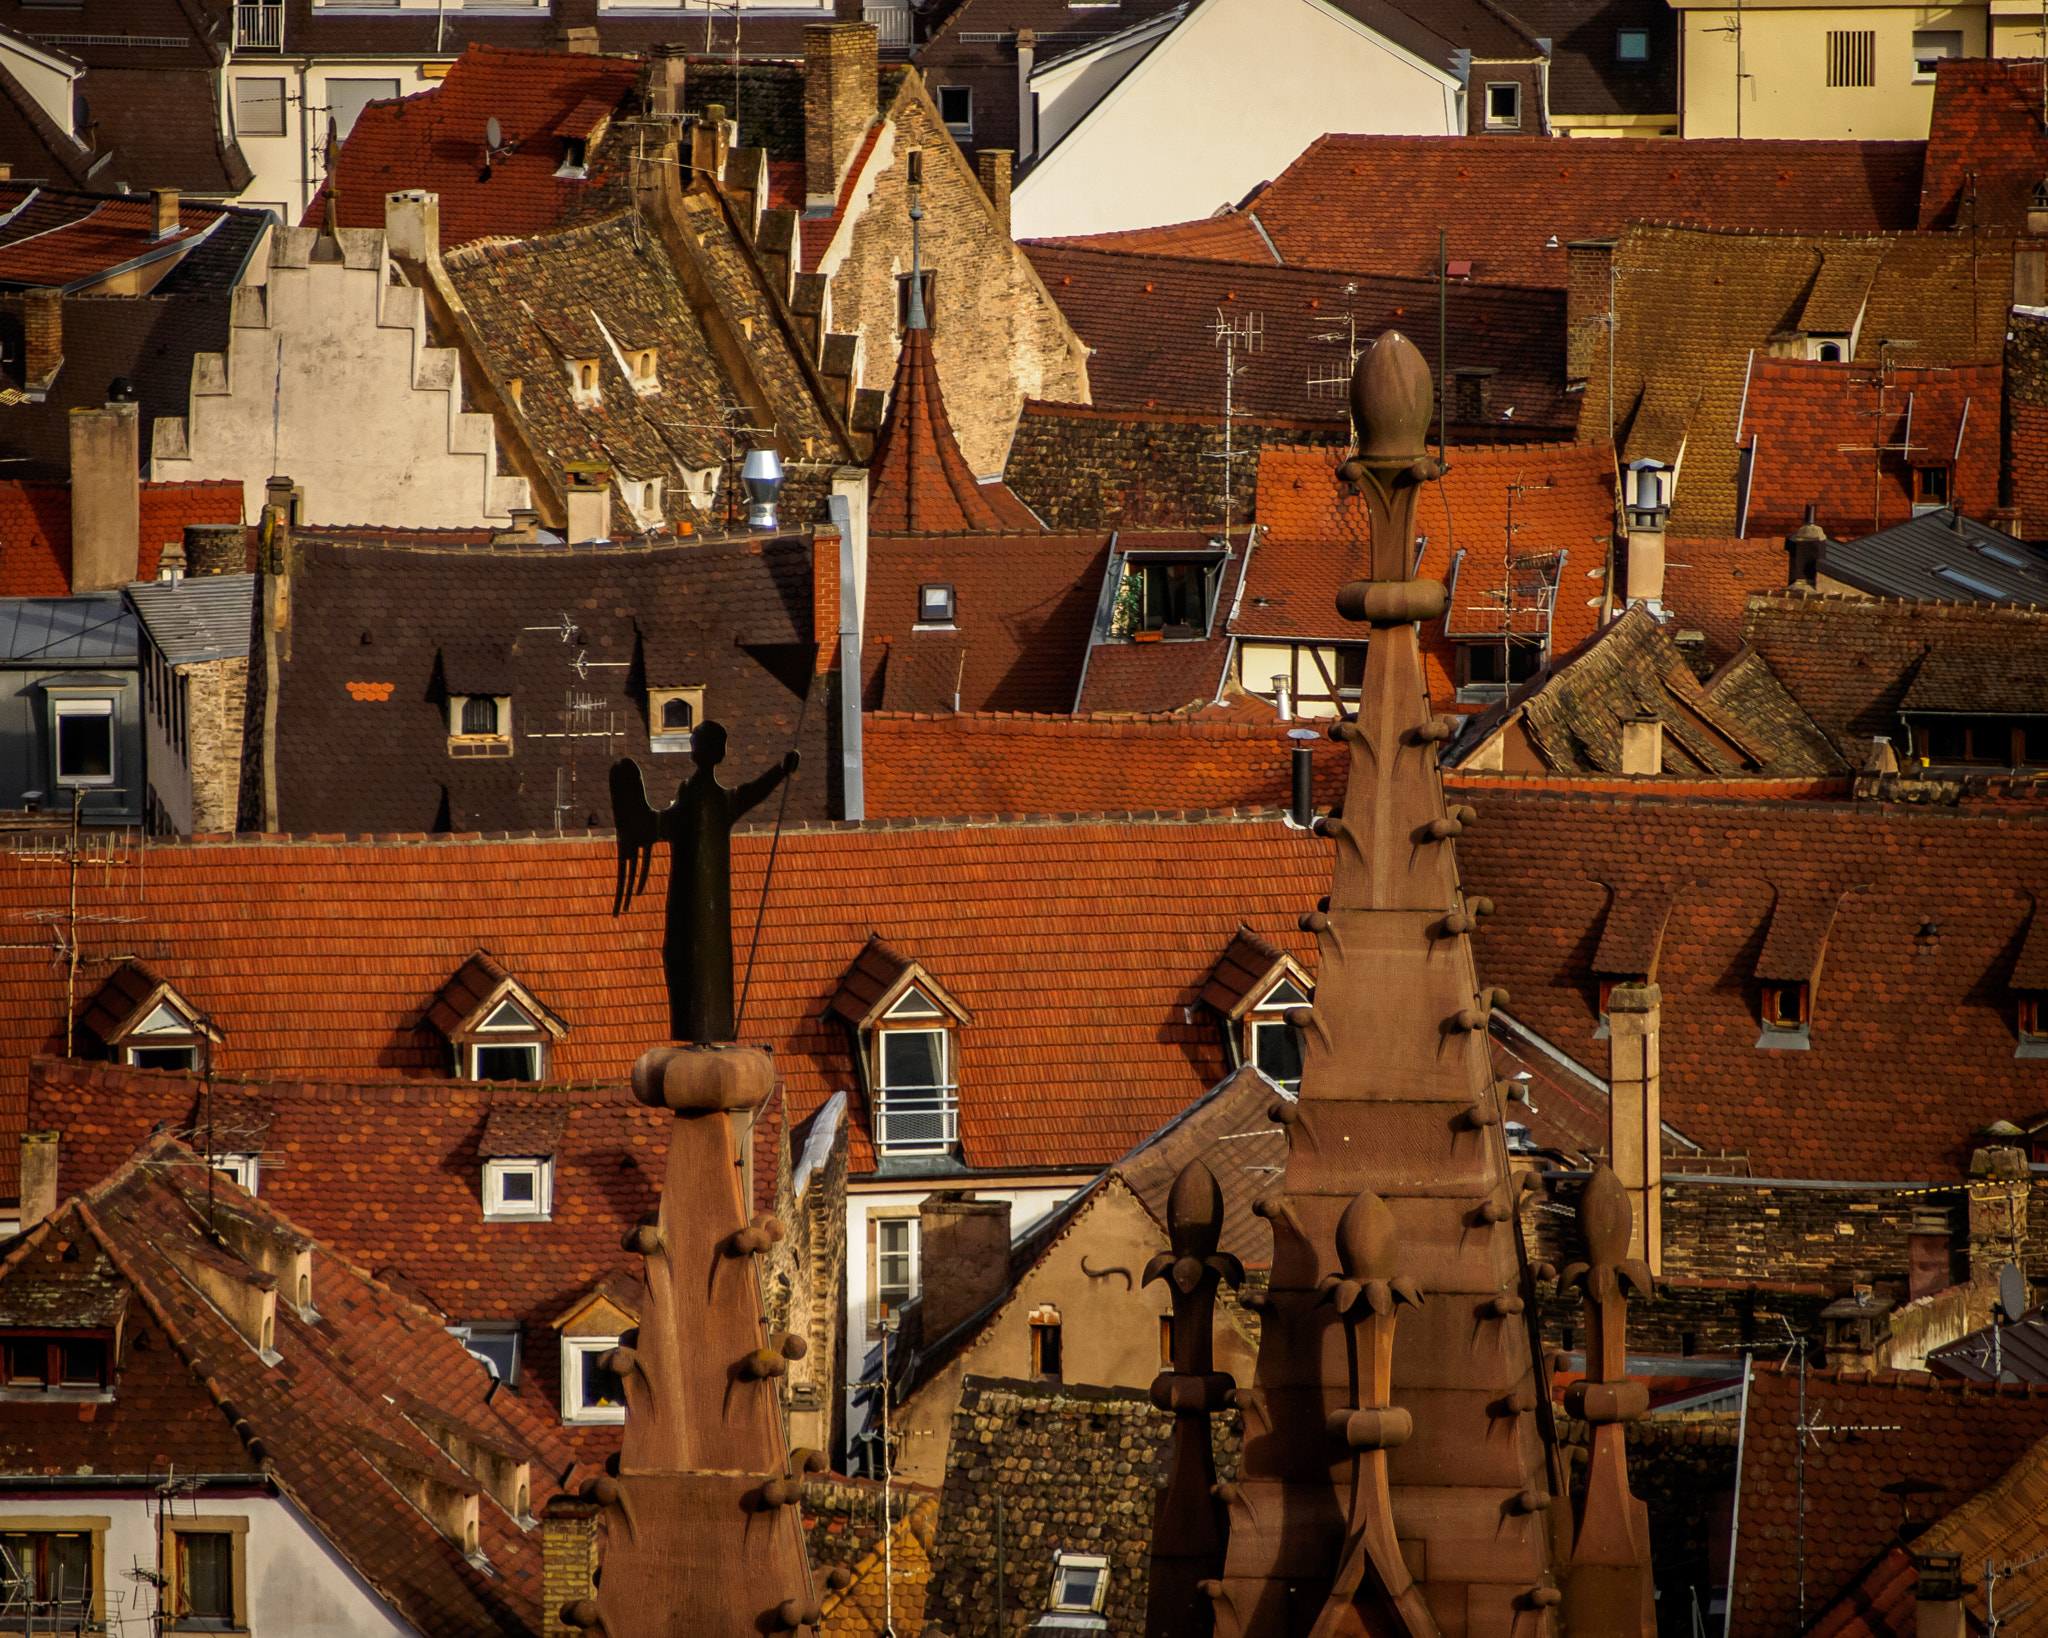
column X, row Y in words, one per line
column 1976, row 587
column 521, row 1189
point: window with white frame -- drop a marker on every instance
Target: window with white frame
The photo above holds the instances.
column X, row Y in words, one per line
column 1504, row 105
column 1930, row 47
column 242, row 1170
column 83, row 732
column 495, row 1344
column 591, row 1392
column 519, row 1188
column 166, row 1039
column 917, row 1107
column 1270, row 1042
column 1080, row 1582
column 896, row 1267
column 935, row 604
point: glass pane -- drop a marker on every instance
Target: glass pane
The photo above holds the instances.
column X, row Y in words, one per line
column 206, row 1563
column 1286, row 993
column 164, row 1019
column 913, row 1058
column 17, row 1566
column 601, row 1388
column 915, row 1004
column 161, row 1057
column 676, row 716
column 508, row 1015
column 1277, row 1050
column 83, row 1363
column 67, row 1569
column 479, row 715
column 516, row 1188
column 499, row 1348
column 27, row 1361
column 893, row 1261
column 85, row 747
column 1077, row 1587
column 507, row 1063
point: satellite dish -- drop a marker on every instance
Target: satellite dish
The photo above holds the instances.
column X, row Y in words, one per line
column 494, row 136
column 2012, row 1292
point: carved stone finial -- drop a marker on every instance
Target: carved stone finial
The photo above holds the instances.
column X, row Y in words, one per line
column 1604, row 1217
column 1366, row 1246
column 1194, row 1212
column 1391, row 400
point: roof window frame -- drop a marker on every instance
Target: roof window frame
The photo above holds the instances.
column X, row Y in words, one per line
column 499, row 1169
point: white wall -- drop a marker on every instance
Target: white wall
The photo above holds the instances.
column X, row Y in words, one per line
column 1226, row 102
column 369, row 419
column 296, row 1582
column 1067, row 91
column 48, row 79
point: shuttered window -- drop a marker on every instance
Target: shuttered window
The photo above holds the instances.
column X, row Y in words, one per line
column 1852, row 56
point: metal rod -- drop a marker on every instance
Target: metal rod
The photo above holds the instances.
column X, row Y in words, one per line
column 1001, row 1568
column 1443, row 273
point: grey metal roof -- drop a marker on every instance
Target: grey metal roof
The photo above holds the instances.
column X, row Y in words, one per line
column 1941, row 558
column 191, row 620
column 2020, row 1351
column 52, row 632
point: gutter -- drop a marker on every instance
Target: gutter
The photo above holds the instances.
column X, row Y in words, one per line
column 853, row 785
column 1735, row 1510
column 14, row 1482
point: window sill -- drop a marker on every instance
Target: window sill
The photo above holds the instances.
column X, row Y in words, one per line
column 2035, row 1048
column 519, row 1217
column 56, row 1396
column 595, row 1419
column 1776, row 1039
column 668, row 744
column 495, row 745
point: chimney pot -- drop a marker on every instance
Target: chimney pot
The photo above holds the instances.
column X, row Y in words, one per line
column 42, row 323
column 994, row 164
column 163, row 210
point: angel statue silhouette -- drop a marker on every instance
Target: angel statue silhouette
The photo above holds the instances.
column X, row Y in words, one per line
column 696, row 946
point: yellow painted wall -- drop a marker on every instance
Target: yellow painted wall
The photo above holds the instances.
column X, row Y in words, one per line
column 1784, row 55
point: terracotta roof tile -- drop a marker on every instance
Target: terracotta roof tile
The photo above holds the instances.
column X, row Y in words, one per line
column 918, row 481
column 1708, row 584
column 1985, row 148
column 35, row 529
column 66, row 240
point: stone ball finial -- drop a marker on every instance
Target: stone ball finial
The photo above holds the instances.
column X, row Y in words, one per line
column 1194, row 1211
column 1392, row 399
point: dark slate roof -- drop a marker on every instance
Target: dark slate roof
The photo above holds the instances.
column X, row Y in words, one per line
column 223, row 260
column 36, row 632
column 165, row 129
column 2019, row 1350
column 381, row 635
column 193, row 620
column 1585, row 75
column 1940, row 557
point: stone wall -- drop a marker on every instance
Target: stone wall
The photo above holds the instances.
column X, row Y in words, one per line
column 216, row 701
column 1074, row 1468
column 1084, row 469
column 2026, row 396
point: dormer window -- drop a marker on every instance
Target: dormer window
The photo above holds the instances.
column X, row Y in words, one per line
column 1930, row 489
column 935, row 606
column 145, row 1023
column 575, row 164
column 643, row 498
column 56, row 1364
column 1787, row 1016
column 2029, row 983
column 520, row 1188
column 1173, row 598
column 1504, row 105
column 496, row 1028
column 242, row 1170
column 1271, row 1042
column 645, row 378
column 672, row 717
column 1251, row 988
column 905, row 1028
column 479, row 725
column 583, row 387
column 590, row 1329
column 1828, row 349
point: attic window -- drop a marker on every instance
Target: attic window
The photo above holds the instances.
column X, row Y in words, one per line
column 1272, row 1043
column 496, row 1028
column 495, row 1344
column 1930, row 489
column 1504, row 105
column 1787, row 1016
column 479, row 725
column 2033, row 1028
column 935, row 606
column 591, row 1392
column 1632, row 45
column 41, row 1364
column 242, row 1170
column 916, row 1092
column 672, row 717
column 84, row 733
column 1045, row 1344
column 583, row 387
column 1828, row 352
column 519, row 1189
column 1080, row 1582
column 644, row 377
column 575, row 164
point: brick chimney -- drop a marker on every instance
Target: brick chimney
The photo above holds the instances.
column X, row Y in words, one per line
column 216, row 548
column 665, row 81
column 587, row 502
column 106, row 496
column 842, row 91
column 42, row 324
column 568, row 1556
column 1938, row 1596
column 1635, row 1113
column 39, row 1152
column 825, row 546
column 964, row 1256
column 994, row 166
column 163, row 213
column 1586, row 299
column 1803, row 548
column 1642, row 744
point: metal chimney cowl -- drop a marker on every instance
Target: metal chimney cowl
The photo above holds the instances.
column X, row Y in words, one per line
column 762, row 474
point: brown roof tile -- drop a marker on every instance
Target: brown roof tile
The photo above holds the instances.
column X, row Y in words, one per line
column 918, row 481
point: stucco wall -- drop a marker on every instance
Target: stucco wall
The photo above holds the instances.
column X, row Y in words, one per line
column 1224, row 103
column 330, row 379
column 1784, row 53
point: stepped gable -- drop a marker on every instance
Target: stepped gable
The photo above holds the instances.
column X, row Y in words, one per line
column 1407, row 1474
column 919, row 482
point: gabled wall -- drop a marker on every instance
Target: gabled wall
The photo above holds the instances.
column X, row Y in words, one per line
column 331, row 379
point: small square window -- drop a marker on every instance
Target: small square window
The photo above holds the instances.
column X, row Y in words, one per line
column 673, row 715
column 1632, row 45
column 956, row 108
column 495, row 1343
column 935, row 605
column 259, row 107
column 519, row 1189
column 590, row 1392
column 85, row 741
column 244, row 1171
column 1930, row 47
column 1079, row 1581
column 1503, row 105
column 516, row 1062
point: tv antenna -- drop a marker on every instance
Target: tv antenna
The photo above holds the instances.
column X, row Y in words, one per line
column 1335, row 383
column 1246, row 332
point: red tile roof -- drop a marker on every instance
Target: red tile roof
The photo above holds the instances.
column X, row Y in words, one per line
column 357, row 1390
column 1558, row 497
column 1835, row 435
column 1024, row 608
column 435, row 141
column 35, row 529
column 316, row 960
column 1985, row 149
column 70, row 240
column 1229, row 238
column 1149, row 321
column 918, row 481
column 818, row 232
column 995, row 763
column 1709, row 582
column 1923, row 1031
column 1959, row 1439
column 1373, row 204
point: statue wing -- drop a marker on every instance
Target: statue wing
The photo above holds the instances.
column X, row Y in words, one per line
column 638, row 827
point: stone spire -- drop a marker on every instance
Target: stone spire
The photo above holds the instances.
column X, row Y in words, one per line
column 1400, row 1460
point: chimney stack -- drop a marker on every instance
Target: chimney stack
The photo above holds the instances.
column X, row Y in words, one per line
column 216, row 548
column 1938, row 1596
column 994, row 166
column 42, row 323
column 163, row 212
column 964, row 1253
column 842, row 92
column 106, row 496
column 1635, row 1113
column 39, row 1151
column 1642, row 744
column 1027, row 108
column 412, row 225
column 665, row 88
column 1803, row 547
column 1586, row 302
column 588, row 502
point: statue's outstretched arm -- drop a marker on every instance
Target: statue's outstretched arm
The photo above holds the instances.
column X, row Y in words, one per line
column 751, row 794
column 638, row 827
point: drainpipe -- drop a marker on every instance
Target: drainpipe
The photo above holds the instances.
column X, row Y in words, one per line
column 1027, row 121
column 853, row 791
column 305, row 153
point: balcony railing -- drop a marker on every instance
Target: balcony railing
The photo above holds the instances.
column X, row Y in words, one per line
column 917, row 1120
column 892, row 26
column 259, row 28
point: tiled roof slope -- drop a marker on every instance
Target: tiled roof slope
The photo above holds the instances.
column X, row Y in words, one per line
column 1959, row 1439
column 67, row 240
column 601, row 292
column 317, row 959
column 390, row 1174
column 1185, row 674
column 435, row 141
column 165, row 128
column 1834, row 435
column 382, row 636
column 1373, row 204
column 1985, row 150
column 1233, row 237
column 1741, row 722
column 992, row 764
column 1587, row 75
column 1024, row 607
column 360, row 1378
column 1150, row 320
column 1558, row 498
column 918, row 481
column 1679, row 389
column 1923, row 1030
column 1708, row 584
column 35, row 529
column 1243, row 1147
column 1850, row 661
